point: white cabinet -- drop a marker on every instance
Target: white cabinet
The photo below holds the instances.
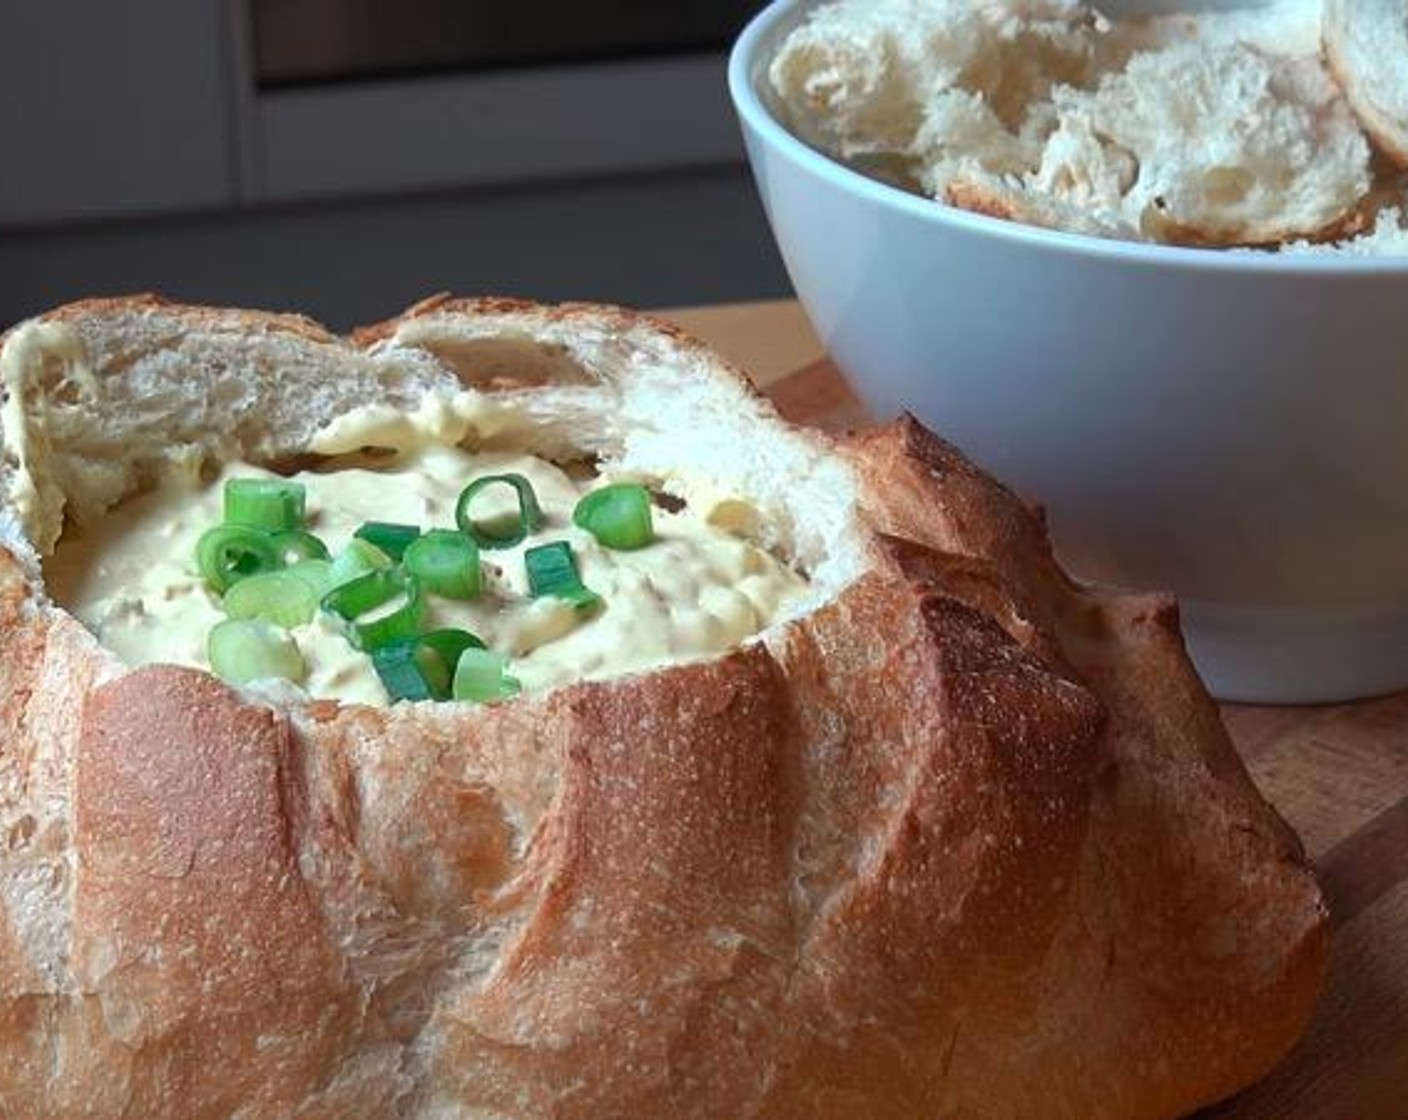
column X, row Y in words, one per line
column 114, row 107
column 144, row 107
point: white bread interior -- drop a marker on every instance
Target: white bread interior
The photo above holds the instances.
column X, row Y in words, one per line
column 1366, row 43
column 963, row 839
column 1215, row 129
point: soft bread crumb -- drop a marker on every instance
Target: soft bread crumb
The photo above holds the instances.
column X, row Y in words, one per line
column 1219, row 129
column 1217, row 144
column 1366, row 43
column 913, row 78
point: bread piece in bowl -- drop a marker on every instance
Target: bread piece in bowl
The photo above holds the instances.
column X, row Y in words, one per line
column 1366, row 45
column 948, row 835
column 1214, row 128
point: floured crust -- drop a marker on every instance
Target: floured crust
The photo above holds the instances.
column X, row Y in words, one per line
column 963, row 840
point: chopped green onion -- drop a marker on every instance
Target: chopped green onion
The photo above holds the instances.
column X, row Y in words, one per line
column 271, row 504
column 317, row 574
column 351, row 601
column 481, row 676
column 250, row 649
column 227, row 554
column 423, row 668
column 277, row 596
column 446, row 563
column 294, row 545
column 391, row 538
column 438, row 653
column 357, row 559
column 395, row 664
column 618, row 516
column 503, row 531
column 552, row 570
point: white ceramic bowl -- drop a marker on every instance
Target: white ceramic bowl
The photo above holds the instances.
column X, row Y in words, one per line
column 1232, row 427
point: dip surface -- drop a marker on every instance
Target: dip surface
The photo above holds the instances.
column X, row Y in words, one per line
column 697, row 590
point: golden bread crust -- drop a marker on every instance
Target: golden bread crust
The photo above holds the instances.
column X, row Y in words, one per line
column 965, row 840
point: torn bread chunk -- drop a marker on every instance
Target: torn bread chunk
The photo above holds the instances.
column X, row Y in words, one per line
column 1213, row 145
column 1366, row 43
column 931, row 82
column 1216, row 129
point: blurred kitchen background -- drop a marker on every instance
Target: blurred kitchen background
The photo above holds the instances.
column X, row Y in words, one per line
column 346, row 157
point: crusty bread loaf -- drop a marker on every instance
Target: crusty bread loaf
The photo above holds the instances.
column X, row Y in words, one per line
column 958, row 838
column 1224, row 129
column 1366, row 43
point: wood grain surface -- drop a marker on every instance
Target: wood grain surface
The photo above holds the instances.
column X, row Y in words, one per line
column 1339, row 774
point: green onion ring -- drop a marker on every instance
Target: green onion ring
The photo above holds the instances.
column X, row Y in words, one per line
column 369, row 591
column 317, row 574
column 250, row 649
column 271, row 504
column 530, row 514
column 227, row 554
column 388, row 536
column 277, row 596
column 295, row 545
column 446, row 562
column 423, row 668
column 395, row 664
column 357, row 559
column 618, row 516
column 552, row 570
column 481, row 676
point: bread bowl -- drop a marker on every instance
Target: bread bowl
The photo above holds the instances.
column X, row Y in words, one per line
column 949, row 836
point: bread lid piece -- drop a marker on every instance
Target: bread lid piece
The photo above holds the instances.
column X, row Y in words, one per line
column 1366, row 43
column 962, row 838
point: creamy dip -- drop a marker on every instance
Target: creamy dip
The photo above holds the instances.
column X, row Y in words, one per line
column 697, row 590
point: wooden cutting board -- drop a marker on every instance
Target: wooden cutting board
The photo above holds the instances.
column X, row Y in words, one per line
column 1339, row 774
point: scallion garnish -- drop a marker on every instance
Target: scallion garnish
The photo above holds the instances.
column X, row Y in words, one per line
column 280, row 597
column 317, row 574
column 353, row 601
column 271, row 504
column 357, row 559
column 552, row 570
column 250, row 649
column 227, row 554
column 502, row 531
column 395, row 664
column 446, row 562
column 294, row 545
column 618, row 516
column 388, row 536
column 439, row 652
column 481, row 675
column 423, row 668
